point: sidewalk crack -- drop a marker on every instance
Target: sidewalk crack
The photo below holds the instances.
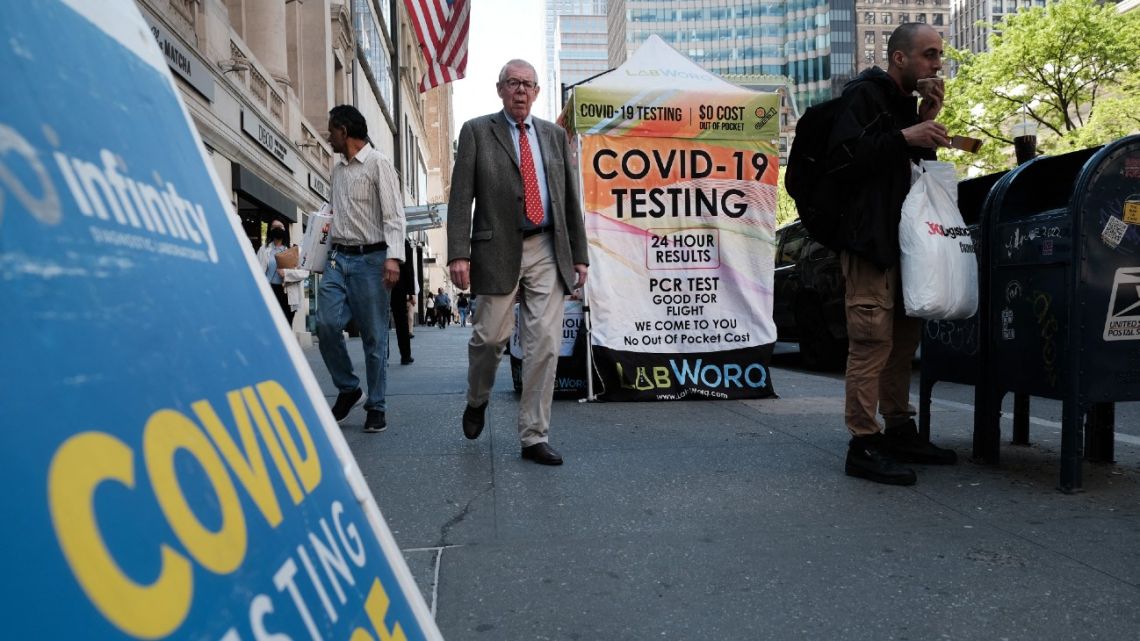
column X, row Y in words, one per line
column 445, row 529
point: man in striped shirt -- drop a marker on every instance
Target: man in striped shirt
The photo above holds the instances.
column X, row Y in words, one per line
column 368, row 218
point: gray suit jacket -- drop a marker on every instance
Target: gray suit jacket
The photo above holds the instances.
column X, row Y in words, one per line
column 487, row 174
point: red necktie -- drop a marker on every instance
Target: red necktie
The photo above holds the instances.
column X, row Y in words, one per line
column 530, row 180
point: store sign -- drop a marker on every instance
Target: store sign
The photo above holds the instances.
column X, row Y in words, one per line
column 172, row 469
column 266, row 137
column 181, row 60
column 320, row 186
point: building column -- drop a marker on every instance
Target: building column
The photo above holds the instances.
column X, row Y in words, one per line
column 265, row 35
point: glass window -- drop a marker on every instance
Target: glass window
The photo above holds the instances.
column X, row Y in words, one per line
column 904, row 17
column 938, row 19
column 791, row 245
column 869, row 18
column 375, row 48
column 868, row 37
column 886, row 17
column 921, row 18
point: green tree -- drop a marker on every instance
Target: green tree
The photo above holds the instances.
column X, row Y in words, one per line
column 1065, row 66
column 785, row 206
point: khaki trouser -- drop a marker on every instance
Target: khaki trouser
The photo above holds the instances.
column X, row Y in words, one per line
column 540, row 332
column 882, row 341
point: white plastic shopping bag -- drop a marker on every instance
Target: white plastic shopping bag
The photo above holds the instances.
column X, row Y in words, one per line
column 315, row 246
column 939, row 264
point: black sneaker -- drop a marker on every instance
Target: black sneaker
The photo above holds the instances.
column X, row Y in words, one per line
column 344, row 403
column 867, row 458
column 905, row 444
column 375, row 422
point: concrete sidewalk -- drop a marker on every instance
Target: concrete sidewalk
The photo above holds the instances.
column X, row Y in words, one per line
column 726, row 520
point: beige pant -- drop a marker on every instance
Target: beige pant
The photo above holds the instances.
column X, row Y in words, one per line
column 540, row 332
column 882, row 340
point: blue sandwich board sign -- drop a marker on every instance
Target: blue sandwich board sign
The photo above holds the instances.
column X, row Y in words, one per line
column 170, row 467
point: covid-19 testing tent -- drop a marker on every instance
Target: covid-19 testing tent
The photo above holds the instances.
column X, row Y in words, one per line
column 678, row 176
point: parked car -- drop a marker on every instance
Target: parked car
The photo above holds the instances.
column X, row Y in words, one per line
column 808, row 298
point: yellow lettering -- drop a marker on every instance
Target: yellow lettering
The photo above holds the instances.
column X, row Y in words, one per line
column 661, row 377
column 276, row 400
column 79, row 467
column 270, row 438
column 376, row 608
column 165, row 433
column 250, row 469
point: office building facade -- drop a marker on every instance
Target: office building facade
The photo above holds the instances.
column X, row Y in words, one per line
column 875, row 21
column 789, row 38
column 575, row 37
column 259, row 77
column 969, row 20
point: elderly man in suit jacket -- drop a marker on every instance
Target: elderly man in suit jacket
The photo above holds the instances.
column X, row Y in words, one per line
column 526, row 236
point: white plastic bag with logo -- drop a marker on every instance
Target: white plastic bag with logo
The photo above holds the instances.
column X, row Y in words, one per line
column 939, row 264
column 315, row 246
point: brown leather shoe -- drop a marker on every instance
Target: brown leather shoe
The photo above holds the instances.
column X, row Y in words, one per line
column 474, row 418
column 542, row 453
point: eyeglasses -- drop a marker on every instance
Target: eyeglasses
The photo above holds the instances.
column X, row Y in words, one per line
column 515, row 83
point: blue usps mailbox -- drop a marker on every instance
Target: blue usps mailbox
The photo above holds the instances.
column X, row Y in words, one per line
column 171, row 469
column 1063, row 313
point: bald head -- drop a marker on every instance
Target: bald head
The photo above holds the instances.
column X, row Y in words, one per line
column 914, row 51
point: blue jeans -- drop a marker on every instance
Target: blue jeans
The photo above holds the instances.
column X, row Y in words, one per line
column 462, row 315
column 353, row 288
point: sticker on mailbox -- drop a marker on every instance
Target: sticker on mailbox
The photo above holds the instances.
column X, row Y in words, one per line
column 1123, row 321
column 1113, row 232
column 1132, row 212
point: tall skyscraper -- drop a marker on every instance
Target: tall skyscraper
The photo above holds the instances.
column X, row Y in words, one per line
column 575, row 45
column 965, row 32
column 767, row 37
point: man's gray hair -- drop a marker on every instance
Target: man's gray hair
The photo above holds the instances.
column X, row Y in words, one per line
column 517, row 62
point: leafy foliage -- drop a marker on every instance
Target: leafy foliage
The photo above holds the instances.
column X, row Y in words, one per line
column 785, row 206
column 1073, row 67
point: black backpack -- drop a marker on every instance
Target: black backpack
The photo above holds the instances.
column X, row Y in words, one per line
column 821, row 191
column 817, row 189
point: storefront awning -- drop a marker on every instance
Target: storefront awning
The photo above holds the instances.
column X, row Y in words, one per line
column 425, row 217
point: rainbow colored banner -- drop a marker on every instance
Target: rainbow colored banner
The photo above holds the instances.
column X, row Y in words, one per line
column 681, row 240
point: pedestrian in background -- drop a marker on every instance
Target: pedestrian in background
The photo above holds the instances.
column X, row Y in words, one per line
column 442, row 308
column 401, row 294
column 368, row 218
column 526, row 235
column 285, row 282
column 880, row 133
column 462, row 304
column 429, row 309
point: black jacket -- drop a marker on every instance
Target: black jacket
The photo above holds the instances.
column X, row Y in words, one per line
column 868, row 135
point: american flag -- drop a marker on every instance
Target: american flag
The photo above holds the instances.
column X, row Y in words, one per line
column 441, row 28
